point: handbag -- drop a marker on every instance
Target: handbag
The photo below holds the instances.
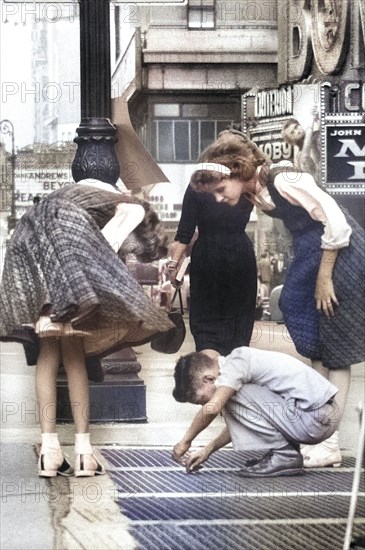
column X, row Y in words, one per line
column 172, row 340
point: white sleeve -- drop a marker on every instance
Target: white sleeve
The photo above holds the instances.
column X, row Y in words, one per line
column 300, row 189
column 234, row 370
column 126, row 218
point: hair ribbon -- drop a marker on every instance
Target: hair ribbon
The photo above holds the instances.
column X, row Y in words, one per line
column 213, row 167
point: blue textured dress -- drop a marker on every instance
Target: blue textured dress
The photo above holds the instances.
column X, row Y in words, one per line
column 338, row 341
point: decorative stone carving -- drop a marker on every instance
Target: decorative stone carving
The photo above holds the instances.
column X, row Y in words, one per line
column 299, row 38
column 330, row 22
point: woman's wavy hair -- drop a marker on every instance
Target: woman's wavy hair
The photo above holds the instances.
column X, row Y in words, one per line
column 234, row 150
column 150, row 235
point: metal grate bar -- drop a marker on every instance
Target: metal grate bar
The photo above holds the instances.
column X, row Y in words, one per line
column 147, row 458
column 297, row 537
column 221, row 484
column 230, row 508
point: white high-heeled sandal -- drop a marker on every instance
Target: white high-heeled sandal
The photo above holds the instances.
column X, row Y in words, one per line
column 52, row 463
column 324, row 454
column 87, row 465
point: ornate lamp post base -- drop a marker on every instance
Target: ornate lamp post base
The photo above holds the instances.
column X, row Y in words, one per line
column 95, row 156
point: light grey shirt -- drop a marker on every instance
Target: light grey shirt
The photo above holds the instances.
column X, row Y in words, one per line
column 281, row 373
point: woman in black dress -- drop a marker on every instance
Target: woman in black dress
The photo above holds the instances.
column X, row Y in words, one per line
column 223, row 278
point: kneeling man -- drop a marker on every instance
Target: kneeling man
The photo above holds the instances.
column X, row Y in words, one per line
column 271, row 402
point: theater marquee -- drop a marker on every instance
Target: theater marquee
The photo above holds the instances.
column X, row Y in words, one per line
column 345, row 158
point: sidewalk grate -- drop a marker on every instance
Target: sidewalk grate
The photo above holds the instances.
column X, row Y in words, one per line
column 167, row 509
column 303, row 537
column 215, row 509
column 221, row 483
column 142, row 458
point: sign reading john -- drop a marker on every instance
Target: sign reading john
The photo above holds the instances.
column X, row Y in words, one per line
column 345, row 157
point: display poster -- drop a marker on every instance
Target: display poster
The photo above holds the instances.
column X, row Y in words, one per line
column 345, row 157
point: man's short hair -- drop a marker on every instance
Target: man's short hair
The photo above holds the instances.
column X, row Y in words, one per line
column 186, row 373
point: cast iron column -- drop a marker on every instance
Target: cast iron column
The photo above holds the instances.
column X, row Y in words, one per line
column 122, row 396
column 95, row 156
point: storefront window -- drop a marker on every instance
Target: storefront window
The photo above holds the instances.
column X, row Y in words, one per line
column 184, row 140
column 207, row 133
column 165, row 141
column 201, row 14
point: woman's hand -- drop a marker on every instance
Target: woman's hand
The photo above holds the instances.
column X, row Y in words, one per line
column 179, row 450
column 325, row 295
column 325, row 292
column 172, row 271
column 172, row 277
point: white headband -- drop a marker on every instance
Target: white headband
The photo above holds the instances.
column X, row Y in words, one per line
column 213, row 167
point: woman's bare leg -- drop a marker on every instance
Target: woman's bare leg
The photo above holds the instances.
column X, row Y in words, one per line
column 340, row 378
column 328, row 452
column 46, row 375
column 51, row 461
column 73, row 358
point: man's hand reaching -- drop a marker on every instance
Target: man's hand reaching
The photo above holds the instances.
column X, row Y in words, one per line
column 196, row 459
column 190, row 461
column 179, row 451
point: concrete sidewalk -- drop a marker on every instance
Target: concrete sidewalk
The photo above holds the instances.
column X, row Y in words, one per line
column 79, row 513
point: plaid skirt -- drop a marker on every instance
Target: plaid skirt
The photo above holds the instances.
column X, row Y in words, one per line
column 59, row 264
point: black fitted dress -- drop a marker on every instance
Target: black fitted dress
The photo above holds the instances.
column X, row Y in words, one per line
column 223, row 278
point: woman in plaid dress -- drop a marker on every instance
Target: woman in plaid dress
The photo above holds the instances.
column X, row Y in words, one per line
column 65, row 286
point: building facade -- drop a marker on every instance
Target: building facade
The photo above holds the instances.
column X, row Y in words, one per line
column 183, row 70
column 41, row 169
column 5, row 187
column 321, row 84
column 190, row 71
column 56, row 74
